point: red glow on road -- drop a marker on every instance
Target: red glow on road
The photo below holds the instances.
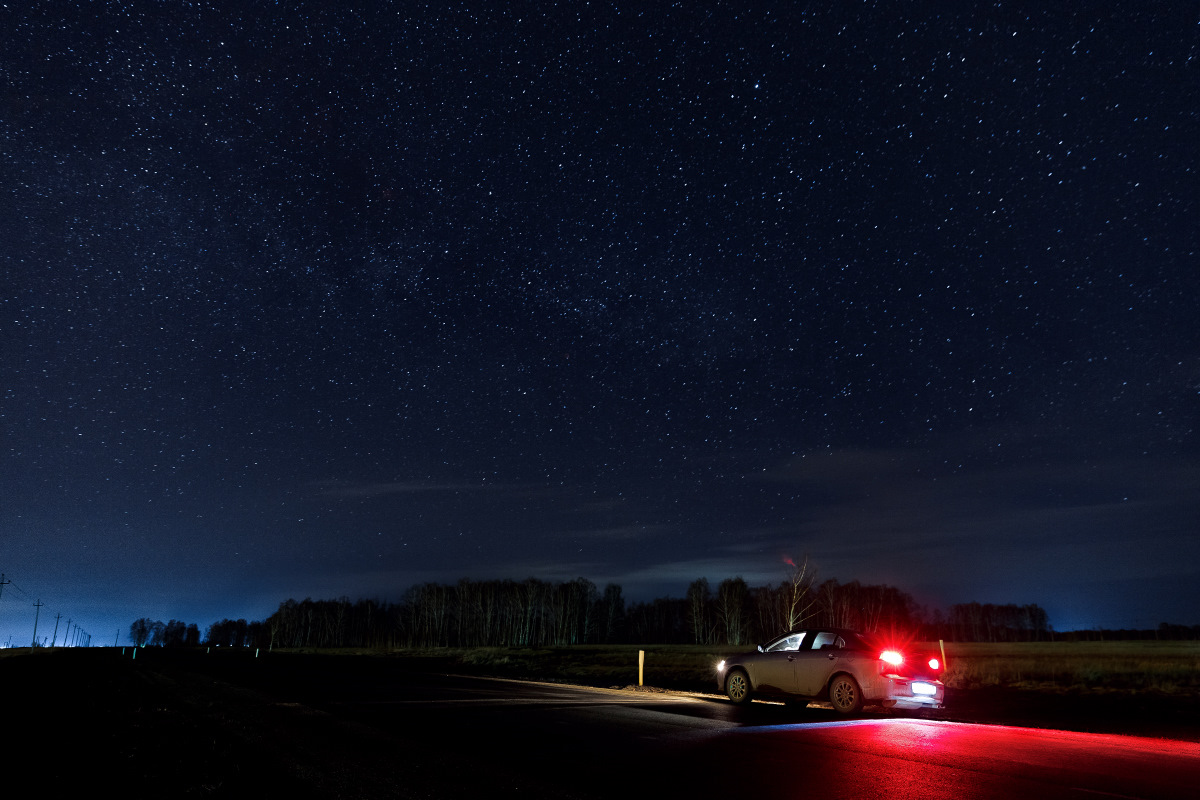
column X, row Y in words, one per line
column 949, row 742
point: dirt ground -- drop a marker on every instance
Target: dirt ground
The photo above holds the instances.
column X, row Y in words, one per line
column 162, row 727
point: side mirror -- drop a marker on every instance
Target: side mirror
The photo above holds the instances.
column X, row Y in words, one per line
column 760, row 648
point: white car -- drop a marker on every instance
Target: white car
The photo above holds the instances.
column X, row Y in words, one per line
column 846, row 668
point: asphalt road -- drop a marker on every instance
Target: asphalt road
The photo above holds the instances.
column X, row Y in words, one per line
column 608, row 743
column 180, row 725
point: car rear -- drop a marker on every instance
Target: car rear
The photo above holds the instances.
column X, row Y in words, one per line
column 911, row 679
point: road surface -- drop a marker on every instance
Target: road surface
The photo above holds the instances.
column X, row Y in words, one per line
column 604, row 742
column 175, row 725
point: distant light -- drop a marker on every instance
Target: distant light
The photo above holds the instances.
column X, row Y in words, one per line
column 891, row 657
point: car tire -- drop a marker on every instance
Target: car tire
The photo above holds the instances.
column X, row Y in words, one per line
column 737, row 686
column 844, row 694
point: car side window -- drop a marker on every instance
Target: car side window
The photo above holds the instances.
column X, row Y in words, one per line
column 787, row 643
column 825, row 639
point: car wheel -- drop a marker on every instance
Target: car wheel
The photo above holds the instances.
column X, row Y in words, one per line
column 844, row 694
column 737, row 686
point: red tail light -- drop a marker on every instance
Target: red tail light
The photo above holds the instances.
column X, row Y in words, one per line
column 893, row 662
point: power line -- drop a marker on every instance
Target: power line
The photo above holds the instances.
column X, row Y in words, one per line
column 76, row 638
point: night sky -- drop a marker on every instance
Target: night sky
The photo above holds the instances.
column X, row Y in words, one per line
column 312, row 300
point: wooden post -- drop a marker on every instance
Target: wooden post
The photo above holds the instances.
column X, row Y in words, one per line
column 942, row 645
column 641, row 665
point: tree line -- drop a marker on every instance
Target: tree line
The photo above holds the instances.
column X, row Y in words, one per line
column 533, row 612
column 153, row 633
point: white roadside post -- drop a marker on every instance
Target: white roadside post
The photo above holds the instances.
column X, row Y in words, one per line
column 641, row 665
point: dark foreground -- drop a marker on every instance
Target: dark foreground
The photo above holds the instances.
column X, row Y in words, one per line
column 191, row 724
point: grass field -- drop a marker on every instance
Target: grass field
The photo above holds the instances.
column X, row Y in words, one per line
column 1090, row 667
column 665, row 666
column 1169, row 667
column 1160, row 667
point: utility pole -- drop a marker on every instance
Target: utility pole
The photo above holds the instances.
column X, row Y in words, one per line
column 54, row 641
column 38, row 605
column 2, row 582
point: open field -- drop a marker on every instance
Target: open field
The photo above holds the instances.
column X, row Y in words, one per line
column 1166, row 667
column 1142, row 688
column 1146, row 688
column 1171, row 668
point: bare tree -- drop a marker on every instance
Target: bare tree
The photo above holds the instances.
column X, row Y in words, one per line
column 174, row 634
column 612, row 614
column 732, row 596
column 837, row 603
column 799, row 597
column 699, row 598
column 139, row 631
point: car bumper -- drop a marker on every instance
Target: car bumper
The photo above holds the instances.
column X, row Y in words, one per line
column 913, row 693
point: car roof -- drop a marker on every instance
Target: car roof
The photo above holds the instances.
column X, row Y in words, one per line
column 820, row 629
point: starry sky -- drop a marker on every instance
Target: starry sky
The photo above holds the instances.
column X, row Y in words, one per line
column 324, row 299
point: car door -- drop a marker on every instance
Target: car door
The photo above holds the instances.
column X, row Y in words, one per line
column 775, row 667
column 817, row 662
